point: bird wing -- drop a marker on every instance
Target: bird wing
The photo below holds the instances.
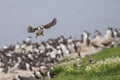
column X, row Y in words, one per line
column 31, row 29
column 52, row 23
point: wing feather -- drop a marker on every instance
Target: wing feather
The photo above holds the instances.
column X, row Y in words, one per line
column 52, row 23
column 31, row 30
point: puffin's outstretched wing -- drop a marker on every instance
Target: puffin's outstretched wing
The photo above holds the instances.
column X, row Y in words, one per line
column 31, row 30
column 52, row 23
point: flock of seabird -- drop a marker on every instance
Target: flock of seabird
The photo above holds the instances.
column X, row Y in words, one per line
column 99, row 41
column 40, row 58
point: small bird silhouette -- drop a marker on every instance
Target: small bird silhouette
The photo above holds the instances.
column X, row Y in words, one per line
column 40, row 29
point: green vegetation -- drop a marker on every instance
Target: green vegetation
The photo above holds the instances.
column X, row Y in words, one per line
column 106, row 62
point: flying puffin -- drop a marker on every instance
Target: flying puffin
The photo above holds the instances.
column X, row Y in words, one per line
column 40, row 29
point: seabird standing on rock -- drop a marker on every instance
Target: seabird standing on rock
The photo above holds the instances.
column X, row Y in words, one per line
column 50, row 74
column 116, row 33
column 71, row 45
column 41, row 28
column 108, row 38
column 97, row 40
column 116, row 40
column 86, row 38
column 37, row 75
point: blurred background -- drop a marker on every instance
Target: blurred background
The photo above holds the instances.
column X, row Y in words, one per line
column 73, row 16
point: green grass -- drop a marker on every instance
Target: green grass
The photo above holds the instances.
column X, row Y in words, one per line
column 72, row 72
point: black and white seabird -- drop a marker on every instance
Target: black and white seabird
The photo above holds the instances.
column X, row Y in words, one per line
column 86, row 38
column 97, row 39
column 40, row 29
column 108, row 37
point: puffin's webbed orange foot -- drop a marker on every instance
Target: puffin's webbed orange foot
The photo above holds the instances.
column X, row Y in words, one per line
column 42, row 34
column 36, row 36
